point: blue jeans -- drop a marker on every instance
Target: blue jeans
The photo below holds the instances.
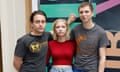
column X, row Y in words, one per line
column 64, row 69
column 78, row 70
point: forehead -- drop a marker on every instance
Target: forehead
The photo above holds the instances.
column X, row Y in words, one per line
column 60, row 23
column 39, row 16
column 85, row 8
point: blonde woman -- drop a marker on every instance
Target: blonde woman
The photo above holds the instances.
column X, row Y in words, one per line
column 61, row 48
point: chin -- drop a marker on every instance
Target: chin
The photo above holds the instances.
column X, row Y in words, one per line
column 85, row 21
column 41, row 31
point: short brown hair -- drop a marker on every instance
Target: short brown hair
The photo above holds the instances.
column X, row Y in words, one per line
column 83, row 4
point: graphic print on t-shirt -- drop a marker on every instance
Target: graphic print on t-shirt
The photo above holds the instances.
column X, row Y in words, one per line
column 36, row 46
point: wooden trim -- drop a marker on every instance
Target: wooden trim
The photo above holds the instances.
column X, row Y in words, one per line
column 0, row 58
column 0, row 53
column 113, row 64
column 28, row 11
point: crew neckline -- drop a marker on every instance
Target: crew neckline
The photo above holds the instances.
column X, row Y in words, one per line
column 61, row 42
column 36, row 35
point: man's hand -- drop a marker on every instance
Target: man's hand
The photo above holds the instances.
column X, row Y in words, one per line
column 71, row 18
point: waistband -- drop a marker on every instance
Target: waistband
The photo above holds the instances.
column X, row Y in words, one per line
column 62, row 66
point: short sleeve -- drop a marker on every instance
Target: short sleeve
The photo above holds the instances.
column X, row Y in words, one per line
column 20, row 49
column 103, row 42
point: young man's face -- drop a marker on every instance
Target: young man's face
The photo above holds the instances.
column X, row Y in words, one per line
column 39, row 23
column 85, row 14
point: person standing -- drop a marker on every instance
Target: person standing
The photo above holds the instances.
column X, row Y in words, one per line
column 91, row 40
column 31, row 49
column 61, row 49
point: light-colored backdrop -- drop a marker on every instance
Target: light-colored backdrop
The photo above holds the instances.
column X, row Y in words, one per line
column 12, row 15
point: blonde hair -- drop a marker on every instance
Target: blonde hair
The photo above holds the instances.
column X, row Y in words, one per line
column 67, row 32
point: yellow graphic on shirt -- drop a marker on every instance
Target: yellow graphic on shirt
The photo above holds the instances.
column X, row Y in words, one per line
column 36, row 46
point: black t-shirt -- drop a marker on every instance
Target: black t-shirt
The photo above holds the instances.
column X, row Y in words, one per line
column 33, row 50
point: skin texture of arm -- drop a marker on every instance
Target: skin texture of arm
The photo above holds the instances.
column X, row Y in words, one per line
column 17, row 62
column 71, row 18
column 102, row 56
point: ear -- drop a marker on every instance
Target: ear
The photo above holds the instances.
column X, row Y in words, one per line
column 92, row 14
column 31, row 25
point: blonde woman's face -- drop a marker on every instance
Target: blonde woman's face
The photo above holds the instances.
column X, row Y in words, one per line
column 61, row 29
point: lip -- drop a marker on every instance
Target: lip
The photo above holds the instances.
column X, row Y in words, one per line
column 60, row 32
column 84, row 17
column 40, row 27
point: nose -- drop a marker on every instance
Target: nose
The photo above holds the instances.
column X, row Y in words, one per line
column 60, row 29
column 40, row 24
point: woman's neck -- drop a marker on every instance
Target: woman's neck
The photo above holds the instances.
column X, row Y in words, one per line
column 61, row 39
